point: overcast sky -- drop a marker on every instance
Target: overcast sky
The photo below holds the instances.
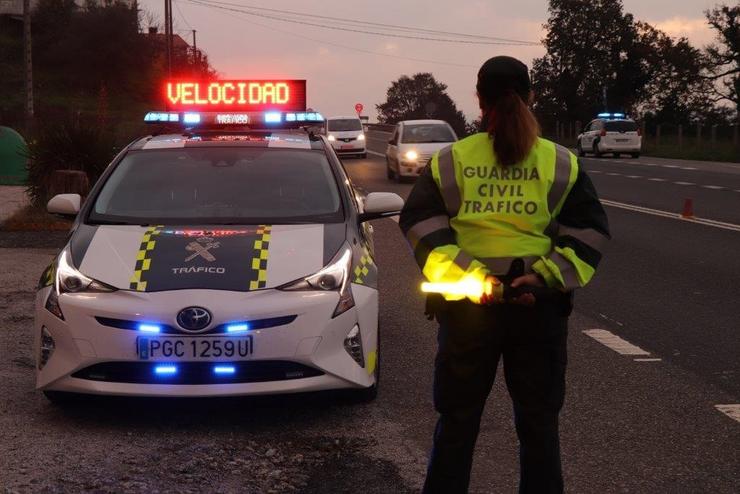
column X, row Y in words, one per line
column 339, row 76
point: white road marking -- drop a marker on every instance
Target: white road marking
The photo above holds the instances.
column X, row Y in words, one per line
column 675, row 216
column 614, row 174
column 634, row 176
column 648, row 360
column 614, row 342
column 732, row 411
column 684, row 183
column 395, row 218
column 375, row 153
column 657, row 179
column 713, row 187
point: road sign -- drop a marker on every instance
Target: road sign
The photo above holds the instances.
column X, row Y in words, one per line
column 358, row 108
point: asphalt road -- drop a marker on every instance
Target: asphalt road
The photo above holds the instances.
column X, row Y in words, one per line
column 629, row 425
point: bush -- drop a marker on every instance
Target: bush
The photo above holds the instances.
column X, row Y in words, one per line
column 75, row 145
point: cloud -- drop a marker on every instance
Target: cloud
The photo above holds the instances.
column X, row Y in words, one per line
column 695, row 29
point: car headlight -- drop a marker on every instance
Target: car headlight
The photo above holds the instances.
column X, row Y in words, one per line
column 335, row 276
column 67, row 279
column 411, row 155
column 361, row 137
column 331, row 138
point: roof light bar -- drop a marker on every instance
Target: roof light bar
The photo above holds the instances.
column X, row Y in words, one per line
column 268, row 119
column 224, row 369
column 165, row 370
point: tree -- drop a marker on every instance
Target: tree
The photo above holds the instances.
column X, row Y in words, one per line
column 723, row 56
column 420, row 96
column 594, row 47
column 588, row 49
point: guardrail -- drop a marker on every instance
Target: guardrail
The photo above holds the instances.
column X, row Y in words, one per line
column 380, row 127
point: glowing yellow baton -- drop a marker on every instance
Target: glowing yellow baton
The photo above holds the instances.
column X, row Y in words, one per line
column 466, row 288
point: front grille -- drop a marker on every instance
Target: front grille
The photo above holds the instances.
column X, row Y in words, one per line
column 197, row 372
column 347, row 139
column 270, row 322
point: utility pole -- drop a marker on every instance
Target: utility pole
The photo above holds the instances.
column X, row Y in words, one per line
column 195, row 54
column 27, row 51
column 168, row 35
column 171, row 37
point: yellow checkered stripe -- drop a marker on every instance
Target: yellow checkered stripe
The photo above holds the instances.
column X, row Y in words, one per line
column 143, row 258
column 259, row 262
column 363, row 268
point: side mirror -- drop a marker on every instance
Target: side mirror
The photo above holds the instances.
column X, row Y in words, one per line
column 66, row 205
column 381, row 205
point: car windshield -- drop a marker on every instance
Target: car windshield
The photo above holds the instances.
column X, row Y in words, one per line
column 220, row 185
column 344, row 124
column 620, row 126
column 419, row 133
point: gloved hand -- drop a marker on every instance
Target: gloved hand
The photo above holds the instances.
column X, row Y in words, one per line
column 527, row 299
column 491, row 295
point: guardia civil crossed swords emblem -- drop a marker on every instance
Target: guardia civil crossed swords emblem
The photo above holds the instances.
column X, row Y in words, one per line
column 202, row 247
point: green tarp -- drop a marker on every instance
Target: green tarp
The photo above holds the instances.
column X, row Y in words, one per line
column 13, row 152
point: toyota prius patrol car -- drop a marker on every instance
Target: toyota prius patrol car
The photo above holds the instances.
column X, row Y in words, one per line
column 229, row 256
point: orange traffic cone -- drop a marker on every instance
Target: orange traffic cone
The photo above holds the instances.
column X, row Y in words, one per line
column 688, row 209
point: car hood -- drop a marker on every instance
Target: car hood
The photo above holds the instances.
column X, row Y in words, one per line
column 424, row 148
column 239, row 258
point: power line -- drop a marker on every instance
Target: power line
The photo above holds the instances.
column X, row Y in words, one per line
column 221, row 5
column 177, row 6
column 377, row 24
column 338, row 45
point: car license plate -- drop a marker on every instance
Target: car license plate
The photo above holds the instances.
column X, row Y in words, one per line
column 195, row 349
column 347, row 146
column 622, row 140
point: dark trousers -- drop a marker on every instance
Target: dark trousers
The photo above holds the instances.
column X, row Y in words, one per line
column 472, row 339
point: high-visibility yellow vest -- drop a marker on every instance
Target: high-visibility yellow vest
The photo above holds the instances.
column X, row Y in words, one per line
column 503, row 212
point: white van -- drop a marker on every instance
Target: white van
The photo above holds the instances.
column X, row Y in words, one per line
column 346, row 135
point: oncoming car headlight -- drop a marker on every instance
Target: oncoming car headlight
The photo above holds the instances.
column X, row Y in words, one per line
column 67, row 279
column 361, row 137
column 335, row 276
column 331, row 137
column 411, row 155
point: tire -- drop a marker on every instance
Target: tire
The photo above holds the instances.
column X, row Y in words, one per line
column 635, row 155
column 597, row 153
column 580, row 150
column 366, row 395
column 617, row 155
column 63, row 399
column 388, row 171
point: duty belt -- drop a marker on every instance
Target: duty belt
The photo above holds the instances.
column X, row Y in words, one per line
column 500, row 266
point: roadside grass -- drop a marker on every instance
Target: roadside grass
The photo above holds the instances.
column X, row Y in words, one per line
column 723, row 150
column 30, row 218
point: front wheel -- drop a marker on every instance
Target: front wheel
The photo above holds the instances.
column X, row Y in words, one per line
column 617, row 155
column 388, row 171
column 63, row 399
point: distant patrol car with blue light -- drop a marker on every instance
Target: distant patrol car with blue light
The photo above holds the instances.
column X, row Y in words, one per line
column 610, row 133
column 226, row 254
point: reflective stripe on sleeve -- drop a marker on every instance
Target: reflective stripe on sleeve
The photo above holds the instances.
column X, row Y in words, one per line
column 448, row 182
column 568, row 273
column 463, row 260
column 588, row 236
column 425, row 227
column 562, row 177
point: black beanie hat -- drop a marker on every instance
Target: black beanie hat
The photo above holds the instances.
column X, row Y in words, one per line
column 500, row 75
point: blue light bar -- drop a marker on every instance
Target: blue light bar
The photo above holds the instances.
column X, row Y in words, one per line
column 618, row 115
column 191, row 118
column 224, row 369
column 165, row 370
column 290, row 117
column 237, row 328
column 273, row 117
column 153, row 116
column 607, row 115
column 149, row 328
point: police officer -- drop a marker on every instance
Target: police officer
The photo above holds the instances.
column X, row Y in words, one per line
column 503, row 205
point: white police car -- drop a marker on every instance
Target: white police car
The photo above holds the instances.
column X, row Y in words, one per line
column 214, row 260
column 610, row 133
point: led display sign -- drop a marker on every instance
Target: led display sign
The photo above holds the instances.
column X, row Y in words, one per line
column 236, row 95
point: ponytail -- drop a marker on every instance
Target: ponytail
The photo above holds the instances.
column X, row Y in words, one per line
column 512, row 125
